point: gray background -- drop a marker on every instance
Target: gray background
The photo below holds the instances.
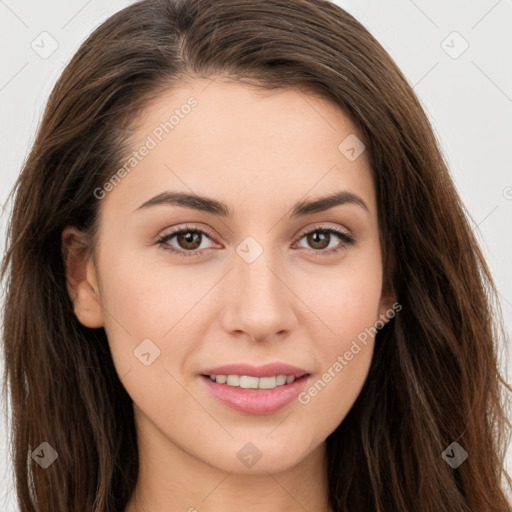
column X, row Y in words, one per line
column 466, row 94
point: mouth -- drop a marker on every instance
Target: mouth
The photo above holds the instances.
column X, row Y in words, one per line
column 254, row 395
column 253, row 382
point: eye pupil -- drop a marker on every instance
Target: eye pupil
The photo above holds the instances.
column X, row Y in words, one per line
column 317, row 237
column 189, row 237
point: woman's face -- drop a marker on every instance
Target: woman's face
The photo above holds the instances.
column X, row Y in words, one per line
column 256, row 281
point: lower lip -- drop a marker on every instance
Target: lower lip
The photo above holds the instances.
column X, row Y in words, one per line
column 256, row 401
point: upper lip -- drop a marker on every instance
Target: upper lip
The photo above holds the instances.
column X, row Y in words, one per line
column 265, row 370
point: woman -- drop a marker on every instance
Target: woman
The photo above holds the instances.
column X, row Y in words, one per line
column 239, row 274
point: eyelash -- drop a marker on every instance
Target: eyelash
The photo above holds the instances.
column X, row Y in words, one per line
column 347, row 240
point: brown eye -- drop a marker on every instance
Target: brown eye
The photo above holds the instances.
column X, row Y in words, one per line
column 185, row 242
column 318, row 239
column 189, row 239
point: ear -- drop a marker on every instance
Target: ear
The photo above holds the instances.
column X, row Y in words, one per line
column 387, row 303
column 81, row 278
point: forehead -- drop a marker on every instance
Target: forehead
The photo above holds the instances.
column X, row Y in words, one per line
column 214, row 109
column 236, row 142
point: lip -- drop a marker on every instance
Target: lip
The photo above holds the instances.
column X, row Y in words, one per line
column 256, row 401
column 266, row 370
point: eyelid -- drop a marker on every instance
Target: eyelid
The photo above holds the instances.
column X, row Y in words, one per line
column 324, row 227
column 189, row 227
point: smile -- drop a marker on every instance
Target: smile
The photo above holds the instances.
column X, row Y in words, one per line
column 255, row 395
column 250, row 382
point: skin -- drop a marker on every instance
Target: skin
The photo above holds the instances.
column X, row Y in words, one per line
column 260, row 153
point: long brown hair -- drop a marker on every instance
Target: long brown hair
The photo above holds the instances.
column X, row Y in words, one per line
column 434, row 377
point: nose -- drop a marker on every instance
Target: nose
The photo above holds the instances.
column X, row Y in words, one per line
column 259, row 302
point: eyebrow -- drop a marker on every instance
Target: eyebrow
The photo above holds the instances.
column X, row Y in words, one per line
column 209, row 205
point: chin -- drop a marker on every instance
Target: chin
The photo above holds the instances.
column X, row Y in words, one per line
column 260, row 455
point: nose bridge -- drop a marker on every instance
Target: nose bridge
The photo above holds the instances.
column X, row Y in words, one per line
column 256, row 274
column 261, row 303
column 258, row 279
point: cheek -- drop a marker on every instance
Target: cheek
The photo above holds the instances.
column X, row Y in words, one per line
column 348, row 305
column 146, row 298
column 347, row 297
column 147, row 294
column 344, row 354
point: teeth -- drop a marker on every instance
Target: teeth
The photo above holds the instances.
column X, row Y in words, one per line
column 233, row 380
column 250, row 382
column 267, row 382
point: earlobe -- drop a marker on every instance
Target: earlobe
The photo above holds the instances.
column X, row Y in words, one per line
column 81, row 280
